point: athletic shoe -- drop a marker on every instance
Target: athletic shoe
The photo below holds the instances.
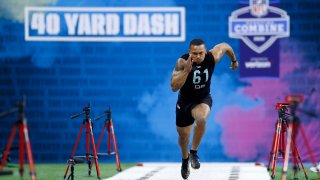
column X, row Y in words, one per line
column 185, row 170
column 194, row 159
column 315, row 169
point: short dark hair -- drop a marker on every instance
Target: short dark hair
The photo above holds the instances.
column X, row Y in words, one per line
column 196, row 42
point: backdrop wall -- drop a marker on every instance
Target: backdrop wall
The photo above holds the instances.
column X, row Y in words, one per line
column 133, row 78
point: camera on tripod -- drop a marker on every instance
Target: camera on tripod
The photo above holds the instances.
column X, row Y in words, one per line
column 283, row 106
column 24, row 141
column 294, row 98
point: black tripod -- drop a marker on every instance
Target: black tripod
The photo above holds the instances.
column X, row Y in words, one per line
column 72, row 163
column 24, row 140
column 89, row 136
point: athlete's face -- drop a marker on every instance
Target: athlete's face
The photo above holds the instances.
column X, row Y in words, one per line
column 197, row 53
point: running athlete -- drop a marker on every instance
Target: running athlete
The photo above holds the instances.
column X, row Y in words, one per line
column 192, row 75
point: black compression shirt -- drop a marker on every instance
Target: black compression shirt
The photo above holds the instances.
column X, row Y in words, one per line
column 198, row 82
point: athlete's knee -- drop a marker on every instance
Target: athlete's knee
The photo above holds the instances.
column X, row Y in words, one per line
column 183, row 135
column 201, row 114
column 184, row 141
column 201, row 122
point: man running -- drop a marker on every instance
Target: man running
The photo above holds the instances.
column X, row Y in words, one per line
column 192, row 75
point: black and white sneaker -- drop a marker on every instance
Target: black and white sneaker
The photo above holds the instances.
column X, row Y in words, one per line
column 185, row 170
column 194, row 159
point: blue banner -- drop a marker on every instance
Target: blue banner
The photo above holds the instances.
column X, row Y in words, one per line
column 259, row 26
column 125, row 24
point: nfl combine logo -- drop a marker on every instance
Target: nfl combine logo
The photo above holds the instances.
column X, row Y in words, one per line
column 259, row 7
column 259, row 25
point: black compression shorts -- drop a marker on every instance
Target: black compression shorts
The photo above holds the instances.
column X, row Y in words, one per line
column 184, row 107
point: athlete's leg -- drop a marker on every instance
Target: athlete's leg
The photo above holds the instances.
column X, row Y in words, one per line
column 184, row 136
column 183, row 139
column 200, row 113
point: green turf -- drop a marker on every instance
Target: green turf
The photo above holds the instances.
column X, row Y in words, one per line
column 300, row 175
column 56, row 171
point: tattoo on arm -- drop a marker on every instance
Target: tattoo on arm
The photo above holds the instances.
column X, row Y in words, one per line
column 179, row 67
column 177, row 80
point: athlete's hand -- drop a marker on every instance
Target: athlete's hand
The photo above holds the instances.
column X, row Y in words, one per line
column 188, row 65
column 234, row 65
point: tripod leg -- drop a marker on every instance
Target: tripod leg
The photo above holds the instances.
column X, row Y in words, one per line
column 72, row 172
column 109, row 136
column 294, row 151
column 71, row 176
column 276, row 149
column 272, row 148
column 101, row 136
column 282, row 140
column 296, row 166
column 298, row 155
column 74, row 149
column 306, row 142
column 287, row 152
column 89, row 162
column 29, row 152
column 7, row 149
column 88, row 148
column 21, row 149
column 94, row 150
column 115, row 146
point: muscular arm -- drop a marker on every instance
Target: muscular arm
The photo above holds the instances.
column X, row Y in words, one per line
column 180, row 73
column 223, row 48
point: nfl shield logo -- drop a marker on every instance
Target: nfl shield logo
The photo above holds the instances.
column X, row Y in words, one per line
column 259, row 8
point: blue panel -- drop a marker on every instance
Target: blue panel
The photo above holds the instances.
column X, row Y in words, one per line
column 60, row 78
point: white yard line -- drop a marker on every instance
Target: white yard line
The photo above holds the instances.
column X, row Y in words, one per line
column 210, row 171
